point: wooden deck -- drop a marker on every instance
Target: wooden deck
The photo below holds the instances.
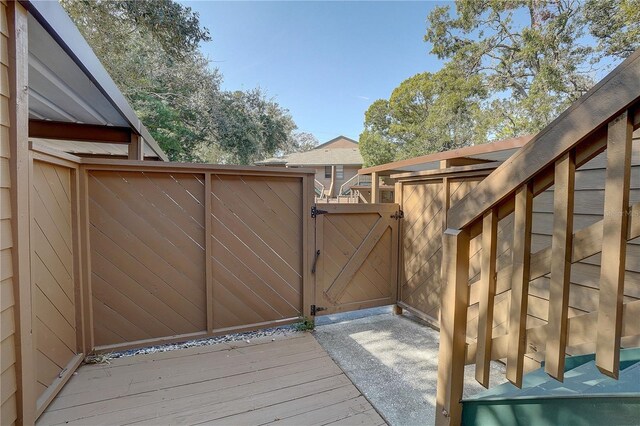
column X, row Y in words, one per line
column 291, row 380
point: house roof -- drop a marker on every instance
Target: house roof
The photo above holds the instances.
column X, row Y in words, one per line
column 340, row 138
column 67, row 82
column 322, row 155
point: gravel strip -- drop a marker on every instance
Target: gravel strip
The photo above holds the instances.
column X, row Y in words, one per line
column 246, row 337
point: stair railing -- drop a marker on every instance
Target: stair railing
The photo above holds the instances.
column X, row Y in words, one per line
column 356, row 180
column 319, row 188
column 603, row 119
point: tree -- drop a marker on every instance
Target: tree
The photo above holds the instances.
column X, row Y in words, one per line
column 616, row 26
column 426, row 113
column 152, row 53
column 251, row 127
column 299, row 142
column 510, row 68
column 534, row 57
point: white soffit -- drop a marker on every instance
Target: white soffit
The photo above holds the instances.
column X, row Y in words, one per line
column 59, row 90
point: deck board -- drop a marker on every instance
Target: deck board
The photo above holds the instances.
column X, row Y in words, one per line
column 291, row 380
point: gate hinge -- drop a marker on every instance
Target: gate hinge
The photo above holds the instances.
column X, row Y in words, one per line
column 316, row 211
column 315, row 309
column 398, row 215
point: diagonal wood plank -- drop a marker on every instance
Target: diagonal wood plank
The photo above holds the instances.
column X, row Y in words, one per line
column 342, row 281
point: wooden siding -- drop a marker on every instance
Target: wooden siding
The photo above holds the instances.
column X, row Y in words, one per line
column 53, row 290
column 8, row 384
column 147, row 255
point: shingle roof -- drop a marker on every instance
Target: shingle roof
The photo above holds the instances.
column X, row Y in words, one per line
column 319, row 157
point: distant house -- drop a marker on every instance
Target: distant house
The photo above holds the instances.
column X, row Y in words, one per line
column 336, row 162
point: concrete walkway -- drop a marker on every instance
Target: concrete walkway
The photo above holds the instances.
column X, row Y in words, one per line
column 393, row 360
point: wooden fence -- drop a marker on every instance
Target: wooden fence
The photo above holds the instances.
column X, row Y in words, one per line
column 127, row 254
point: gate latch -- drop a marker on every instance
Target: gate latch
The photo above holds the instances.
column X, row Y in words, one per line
column 398, row 215
column 315, row 309
column 316, row 211
column 315, row 262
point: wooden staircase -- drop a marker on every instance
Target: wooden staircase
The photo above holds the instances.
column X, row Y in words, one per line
column 604, row 119
column 585, row 397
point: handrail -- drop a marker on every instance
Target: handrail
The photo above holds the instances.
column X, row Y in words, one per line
column 345, row 187
column 591, row 112
column 603, row 119
column 319, row 187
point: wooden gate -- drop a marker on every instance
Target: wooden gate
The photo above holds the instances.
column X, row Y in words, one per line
column 53, row 279
column 356, row 265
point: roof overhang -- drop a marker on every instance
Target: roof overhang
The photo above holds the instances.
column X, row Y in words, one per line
column 67, row 82
column 488, row 152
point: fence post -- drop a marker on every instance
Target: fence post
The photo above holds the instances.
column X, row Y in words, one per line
column 208, row 251
column 20, row 191
column 308, row 245
column 453, row 322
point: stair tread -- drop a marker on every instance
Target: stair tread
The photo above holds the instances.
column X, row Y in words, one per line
column 583, row 377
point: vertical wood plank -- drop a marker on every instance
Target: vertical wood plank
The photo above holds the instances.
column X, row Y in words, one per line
column 398, row 196
column 208, row 231
column 20, row 224
column 319, row 275
column 561, row 247
column 136, row 147
column 453, row 321
column 77, row 260
column 85, row 252
column 308, row 245
column 614, row 244
column 487, row 293
column 375, row 188
column 521, row 253
column 446, row 201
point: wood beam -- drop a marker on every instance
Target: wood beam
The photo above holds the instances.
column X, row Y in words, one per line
column 453, row 323
column 136, row 148
column 487, row 294
column 375, row 187
column 614, row 244
column 79, row 132
column 561, row 245
column 521, row 253
column 19, row 164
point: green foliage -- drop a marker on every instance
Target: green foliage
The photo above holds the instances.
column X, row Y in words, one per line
column 306, row 324
column 426, row 113
column 376, row 149
column 510, row 68
column 615, row 24
column 152, row 54
column 251, row 127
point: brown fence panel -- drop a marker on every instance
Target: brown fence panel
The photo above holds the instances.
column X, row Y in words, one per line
column 425, row 204
column 256, row 243
column 147, row 255
column 157, row 277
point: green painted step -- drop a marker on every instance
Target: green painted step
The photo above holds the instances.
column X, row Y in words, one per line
column 586, row 397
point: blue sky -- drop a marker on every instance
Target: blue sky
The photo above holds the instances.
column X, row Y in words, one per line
column 326, row 62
